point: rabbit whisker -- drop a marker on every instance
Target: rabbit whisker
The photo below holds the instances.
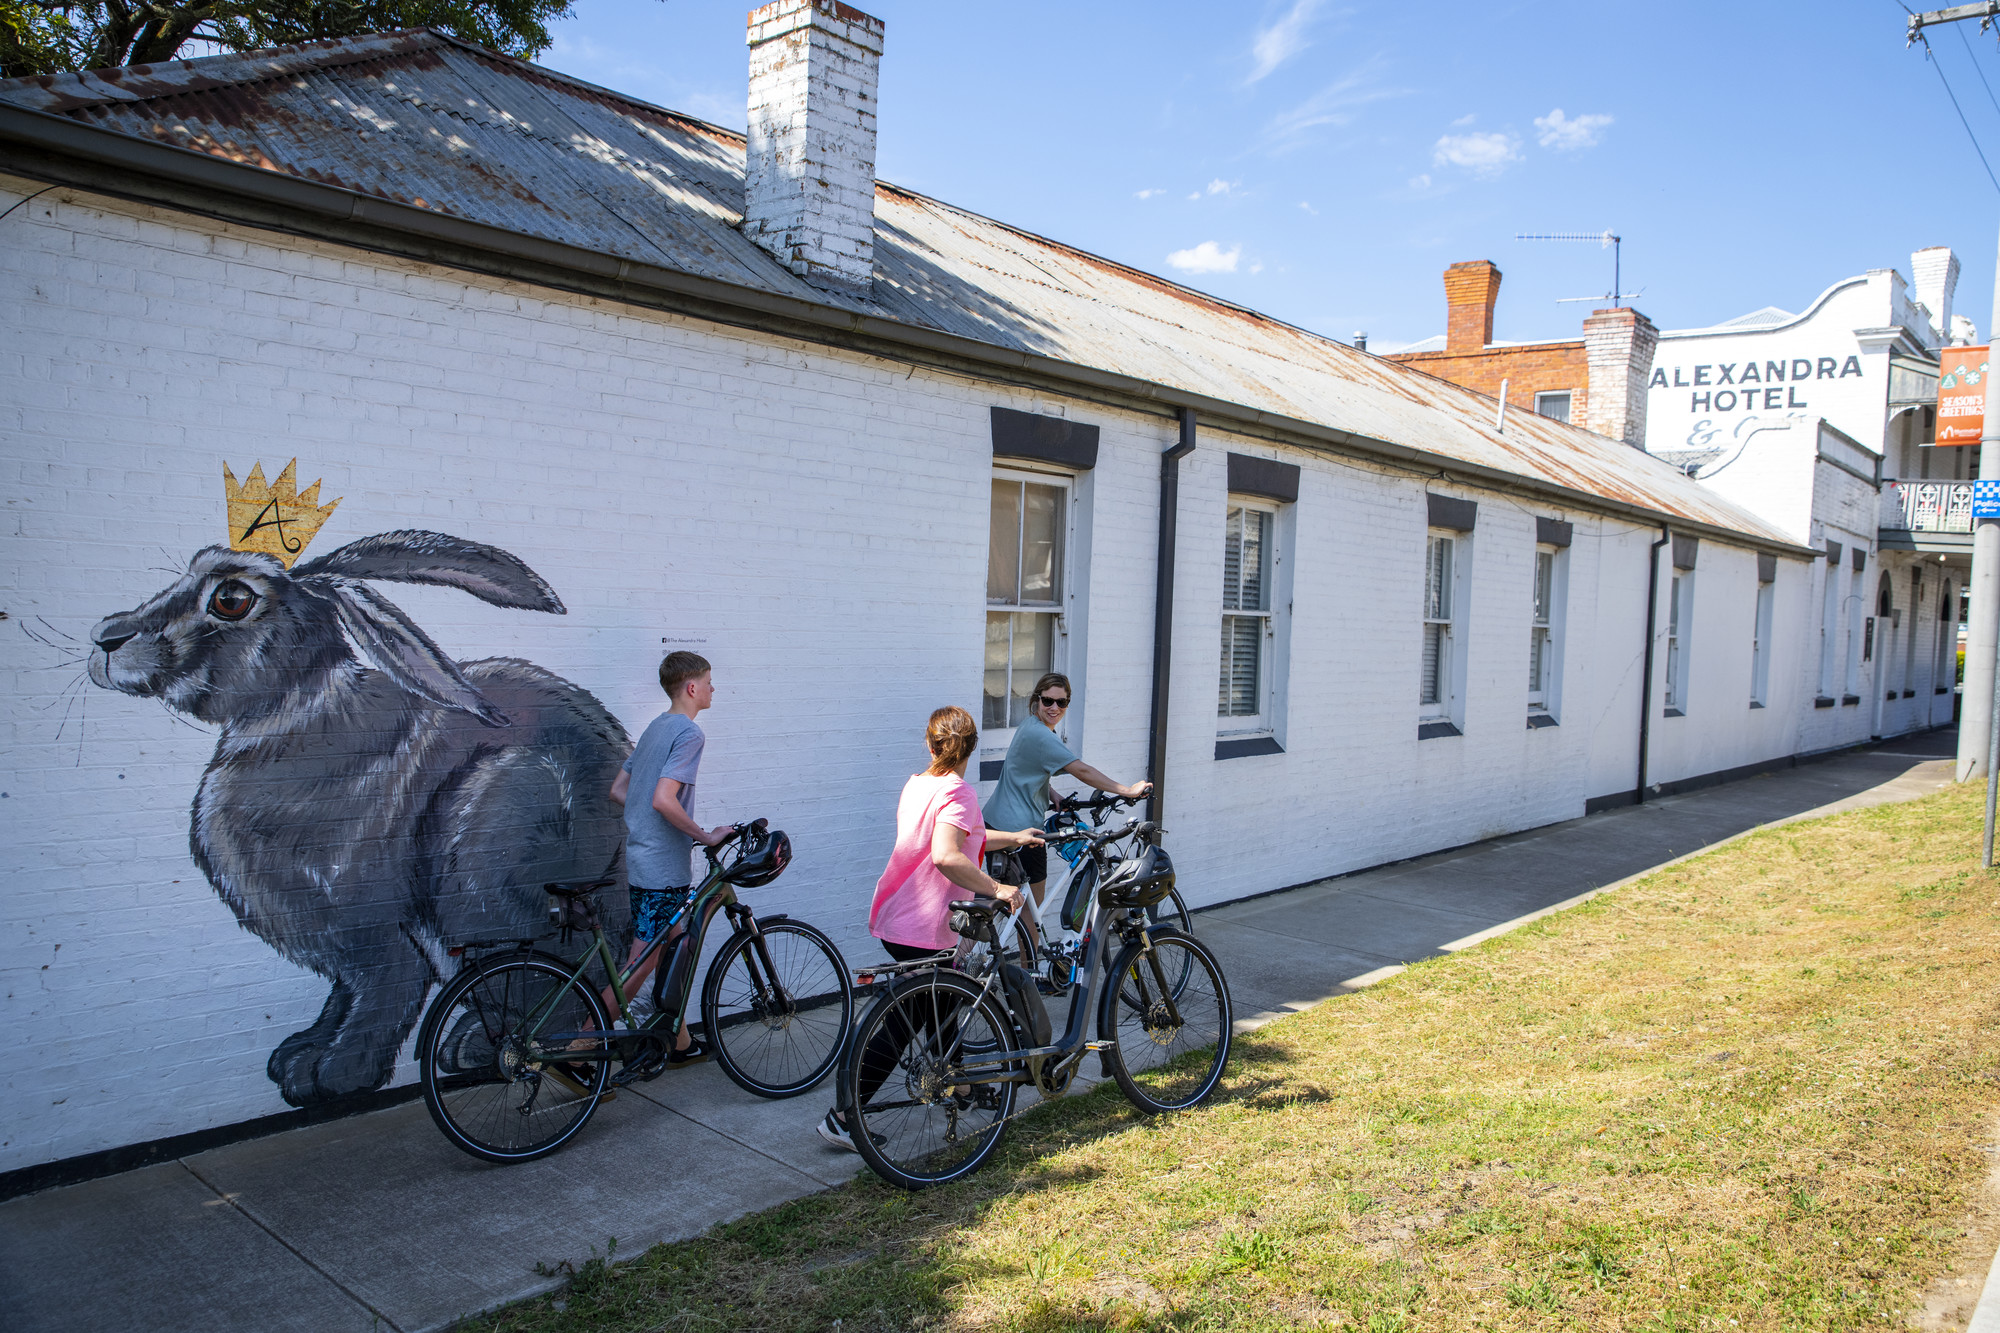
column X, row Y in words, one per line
column 82, row 720
column 53, row 630
column 70, row 696
column 69, row 688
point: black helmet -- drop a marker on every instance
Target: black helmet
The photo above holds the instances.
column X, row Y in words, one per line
column 1139, row 881
column 764, row 857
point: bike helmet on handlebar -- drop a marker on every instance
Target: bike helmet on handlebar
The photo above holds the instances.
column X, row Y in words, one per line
column 765, row 854
column 1139, row 881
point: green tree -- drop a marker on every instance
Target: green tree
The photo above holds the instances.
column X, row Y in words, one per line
column 54, row 36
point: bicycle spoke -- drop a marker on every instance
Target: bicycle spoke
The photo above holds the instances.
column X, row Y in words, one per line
column 777, row 1022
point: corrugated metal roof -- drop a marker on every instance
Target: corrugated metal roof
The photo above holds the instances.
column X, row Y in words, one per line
column 424, row 119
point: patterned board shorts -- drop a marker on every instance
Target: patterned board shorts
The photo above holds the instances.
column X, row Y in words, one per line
column 653, row 911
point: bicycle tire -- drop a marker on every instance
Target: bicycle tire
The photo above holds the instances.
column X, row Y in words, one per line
column 1161, row 1066
column 778, row 1046
column 919, row 1023
column 489, row 1102
column 1172, row 913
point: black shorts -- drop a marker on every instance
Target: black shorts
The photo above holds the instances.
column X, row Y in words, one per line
column 1034, row 860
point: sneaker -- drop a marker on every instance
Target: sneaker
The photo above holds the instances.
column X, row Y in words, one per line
column 693, row 1055
column 837, row 1134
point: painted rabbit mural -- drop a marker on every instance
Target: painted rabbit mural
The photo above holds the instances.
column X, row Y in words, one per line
column 370, row 801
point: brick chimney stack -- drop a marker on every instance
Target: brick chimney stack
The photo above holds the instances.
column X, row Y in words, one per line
column 809, row 178
column 1471, row 290
column 1619, row 344
column 1934, row 275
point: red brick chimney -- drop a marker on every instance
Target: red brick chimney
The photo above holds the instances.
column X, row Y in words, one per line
column 1471, row 290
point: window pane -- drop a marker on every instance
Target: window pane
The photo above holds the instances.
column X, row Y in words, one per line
column 1256, row 560
column 1042, row 545
column 1003, row 544
column 1232, row 562
column 1242, row 656
column 994, row 712
column 1538, row 656
column 1545, row 566
column 1434, row 664
column 1554, row 406
column 1437, row 580
column 1674, row 608
column 1034, row 653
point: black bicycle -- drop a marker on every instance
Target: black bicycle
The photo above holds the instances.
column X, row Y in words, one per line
column 517, row 1050
column 930, row 1079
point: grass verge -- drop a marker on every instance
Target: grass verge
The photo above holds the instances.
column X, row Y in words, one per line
column 1749, row 1092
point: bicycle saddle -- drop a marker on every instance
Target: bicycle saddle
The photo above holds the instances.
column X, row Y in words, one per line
column 577, row 888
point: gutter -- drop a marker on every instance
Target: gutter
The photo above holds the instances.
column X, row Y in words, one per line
column 62, row 151
column 1646, row 686
column 1163, row 610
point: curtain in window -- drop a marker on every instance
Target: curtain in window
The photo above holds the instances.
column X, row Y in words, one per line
column 1246, row 577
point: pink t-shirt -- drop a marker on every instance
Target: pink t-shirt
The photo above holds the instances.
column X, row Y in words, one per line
column 911, row 897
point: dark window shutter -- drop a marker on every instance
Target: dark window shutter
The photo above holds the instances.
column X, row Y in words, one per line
column 1684, row 551
column 1553, row 532
column 1071, row 444
column 1451, row 513
column 1262, row 476
column 1767, row 568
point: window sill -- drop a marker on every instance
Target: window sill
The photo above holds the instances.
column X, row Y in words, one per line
column 1244, row 747
column 1848, row 700
column 1755, row 704
column 1676, row 712
column 1909, row 694
column 1536, row 721
column 1822, row 702
column 1430, row 731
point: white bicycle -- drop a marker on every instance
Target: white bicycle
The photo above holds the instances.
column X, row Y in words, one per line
column 1079, row 866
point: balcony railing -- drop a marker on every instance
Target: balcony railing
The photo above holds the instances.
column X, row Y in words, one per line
column 1927, row 506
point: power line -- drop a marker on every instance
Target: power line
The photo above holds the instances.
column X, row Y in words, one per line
column 1967, row 42
column 1931, row 56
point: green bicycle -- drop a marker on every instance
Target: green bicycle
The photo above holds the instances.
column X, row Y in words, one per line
column 517, row 1050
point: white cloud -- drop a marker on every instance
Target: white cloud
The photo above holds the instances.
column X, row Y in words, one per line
column 1485, row 154
column 1146, row 194
column 1463, row 121
column 1256, row 266
column 1336, row 104
column 1560, row 132
column 1220, row 186
column 1308, row 208
column 1420, row 182
column 1274, row 45
column 1195, row 195
column 1208, row 257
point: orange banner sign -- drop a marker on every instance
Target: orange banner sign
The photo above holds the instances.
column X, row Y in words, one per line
column 1961, row 410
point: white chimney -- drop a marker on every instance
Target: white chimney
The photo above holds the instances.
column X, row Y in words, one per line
column 809, row 186
column 1934, row 274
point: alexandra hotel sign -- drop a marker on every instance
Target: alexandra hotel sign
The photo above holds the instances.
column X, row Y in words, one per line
column 1753, row 386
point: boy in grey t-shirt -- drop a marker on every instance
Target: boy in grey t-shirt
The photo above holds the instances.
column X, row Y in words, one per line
column 660, row 832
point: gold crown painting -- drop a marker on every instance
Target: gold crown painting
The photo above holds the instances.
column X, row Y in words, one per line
column 273, row 517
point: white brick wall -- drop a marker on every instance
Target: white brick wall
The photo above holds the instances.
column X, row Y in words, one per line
column 813, row 521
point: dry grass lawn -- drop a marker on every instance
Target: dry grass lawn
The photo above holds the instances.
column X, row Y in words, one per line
column 1749, row 1092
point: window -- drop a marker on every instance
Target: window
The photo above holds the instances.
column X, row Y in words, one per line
column 1680, row 619
column 1243, row 694
column 1854, row 611
column 1944, row 673
column 1439, row 578
column 1024, row 591
column 1541, row 635
column 1760, row 647
column 1554, row 406
column 1829, row 639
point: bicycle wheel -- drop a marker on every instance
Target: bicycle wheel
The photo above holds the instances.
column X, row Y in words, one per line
column 1162, row 1064
column 1172, row 913
column 913, row 1122
column 776, row 1020
column 476, row 1049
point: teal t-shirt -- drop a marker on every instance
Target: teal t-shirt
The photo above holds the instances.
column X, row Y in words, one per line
column 1022, row 798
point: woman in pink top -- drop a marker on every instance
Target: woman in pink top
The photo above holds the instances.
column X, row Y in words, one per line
column 941, row 837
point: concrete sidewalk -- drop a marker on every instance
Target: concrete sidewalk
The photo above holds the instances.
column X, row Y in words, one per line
column 375, row 1222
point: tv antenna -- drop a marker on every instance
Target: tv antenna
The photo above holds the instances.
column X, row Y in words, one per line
column 1609, row 240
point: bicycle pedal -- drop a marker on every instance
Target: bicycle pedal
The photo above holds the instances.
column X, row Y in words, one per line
column 1100, row 1046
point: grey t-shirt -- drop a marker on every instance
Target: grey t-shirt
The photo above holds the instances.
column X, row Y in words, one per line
column 1022, row 798
column 656, row 853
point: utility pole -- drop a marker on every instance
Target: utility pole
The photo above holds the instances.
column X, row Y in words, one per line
column 1977, row 712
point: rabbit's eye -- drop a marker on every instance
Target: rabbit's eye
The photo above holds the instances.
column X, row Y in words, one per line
column 232, row 600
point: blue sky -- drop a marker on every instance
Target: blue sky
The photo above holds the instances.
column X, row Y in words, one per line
column 1324, row 162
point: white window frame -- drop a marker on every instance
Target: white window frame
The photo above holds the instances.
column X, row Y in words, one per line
column 1443, row 613
column 1269, row 664
column 1680, row 624
column 1545, row 630
column 1829, row 639
column 994, row 740
column 1854, row 614
column 1569, row 404
column 1760, row 644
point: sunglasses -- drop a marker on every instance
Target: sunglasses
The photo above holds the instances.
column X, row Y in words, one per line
column 1043, row 700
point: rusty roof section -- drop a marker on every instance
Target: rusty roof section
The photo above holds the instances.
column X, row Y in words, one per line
column 426, row 119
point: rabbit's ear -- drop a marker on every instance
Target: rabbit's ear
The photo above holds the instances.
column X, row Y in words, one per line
column 487, row 572
column 392, row 642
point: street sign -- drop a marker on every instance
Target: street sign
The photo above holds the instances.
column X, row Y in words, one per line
column 1986, row 499
column 1961, row 410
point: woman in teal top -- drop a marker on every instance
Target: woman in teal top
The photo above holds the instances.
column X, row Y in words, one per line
column 1021, row 800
